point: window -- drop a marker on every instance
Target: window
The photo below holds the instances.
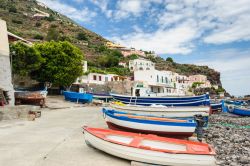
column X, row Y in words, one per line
column 94, row 77
column 141, row 68
column 106, row 79
column 166, row 79
column 161, row 78
column 159, row 90
column 131, row 68
column 100, row 78
column 157, row 78
column 147, row 68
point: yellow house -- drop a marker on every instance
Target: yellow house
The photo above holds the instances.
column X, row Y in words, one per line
column 112, row 45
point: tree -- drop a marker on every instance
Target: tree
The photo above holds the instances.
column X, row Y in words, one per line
column 52, row 34
column 63, row 63
column 25, row 59
column 169, row 59
column 38, row 36
column 81, row 36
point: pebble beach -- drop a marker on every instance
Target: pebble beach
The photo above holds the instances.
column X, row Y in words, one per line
column 230, row 136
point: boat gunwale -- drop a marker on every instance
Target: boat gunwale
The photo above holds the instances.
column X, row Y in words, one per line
column 153, row 138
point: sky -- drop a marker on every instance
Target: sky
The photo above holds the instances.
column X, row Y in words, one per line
column 215, row 33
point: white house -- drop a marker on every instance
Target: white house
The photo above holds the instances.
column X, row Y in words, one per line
column 141, row 64
column 161, row 83
column 96, row 78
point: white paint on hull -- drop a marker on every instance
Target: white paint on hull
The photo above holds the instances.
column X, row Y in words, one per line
column 149, row 156
column 163, row 111
column 150, row 127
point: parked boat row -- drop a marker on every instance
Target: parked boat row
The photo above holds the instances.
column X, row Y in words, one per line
column 236, row 107
column 129, row 122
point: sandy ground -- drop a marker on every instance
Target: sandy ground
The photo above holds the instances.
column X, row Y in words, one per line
column 55, row 139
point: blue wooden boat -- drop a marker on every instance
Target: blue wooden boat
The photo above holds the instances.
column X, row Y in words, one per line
column 216, row 106
column 77, row 97
column 242, row 111
column 166, row 101
column 101, row 96
column 149, row 124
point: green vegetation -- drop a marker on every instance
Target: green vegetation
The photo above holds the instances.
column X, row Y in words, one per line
column 17, row 21
column 25, row 59
column 81, row 36
column 52, row 34
column 38, row 36
column 169, row 59
column 196, row 84
column 59, row 63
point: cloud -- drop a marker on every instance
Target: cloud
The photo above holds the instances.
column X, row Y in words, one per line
column 103, row 5
column 234, row 67
column 176, row 40
column 82, row 15
column 126, row 8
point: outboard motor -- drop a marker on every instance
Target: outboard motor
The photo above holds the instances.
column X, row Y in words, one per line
column 200, row 122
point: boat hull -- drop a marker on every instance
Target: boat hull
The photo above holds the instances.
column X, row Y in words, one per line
column 148, row 156
column 241, row 111
column 162, row 126
column 77, row 97
column 163, row 111
column 160, row 133
column 167, row 101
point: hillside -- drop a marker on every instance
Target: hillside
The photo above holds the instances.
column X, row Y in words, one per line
column 19, row 15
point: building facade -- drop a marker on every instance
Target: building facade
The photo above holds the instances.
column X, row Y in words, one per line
column 5, row 66
column 141, row 64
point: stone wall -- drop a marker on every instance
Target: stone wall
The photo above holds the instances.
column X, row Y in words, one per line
column 5, row 69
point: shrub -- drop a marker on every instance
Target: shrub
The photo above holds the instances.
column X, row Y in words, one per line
column 12, row 9
column 38, row 36
column 17, row 21
column 81, row 36
column 38, row 24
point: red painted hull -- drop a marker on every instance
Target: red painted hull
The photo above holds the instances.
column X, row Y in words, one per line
column 164, row 134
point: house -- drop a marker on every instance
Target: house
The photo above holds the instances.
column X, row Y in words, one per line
column 161, row 83
column 97, row 78
column 5, row 66
column 112, row 45
column 122, row 64
column 201, row 79
column 127, row 52
column 141, row 64
column 40, row 14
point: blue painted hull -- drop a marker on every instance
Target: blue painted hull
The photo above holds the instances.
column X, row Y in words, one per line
column 77, row 97
column 216, row 106
column 167, row 101
column 241, row 111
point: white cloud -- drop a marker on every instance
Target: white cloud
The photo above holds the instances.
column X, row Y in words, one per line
column 234, row 67
column 126, row 8
column 175, row 41
column 82, row 15
column 103, row 5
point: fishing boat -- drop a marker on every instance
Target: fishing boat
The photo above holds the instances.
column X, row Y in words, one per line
column 30, row 97
column 166, row 101
column 240, row 110
column 149, row 124
column 77, row 97
column 150, row 148
column 101, row 96
column 215, row 107
column 160, row 110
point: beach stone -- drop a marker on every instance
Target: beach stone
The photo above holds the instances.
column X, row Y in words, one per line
column 244, row 160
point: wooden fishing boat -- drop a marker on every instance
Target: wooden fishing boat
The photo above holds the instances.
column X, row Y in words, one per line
column 30, row 97
column 215, row 107
column 167, row 101
column 101, row 96
column 149, row 124
column 240, row 110
column 162, row 110
column 77, row 97
column 150, row 148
